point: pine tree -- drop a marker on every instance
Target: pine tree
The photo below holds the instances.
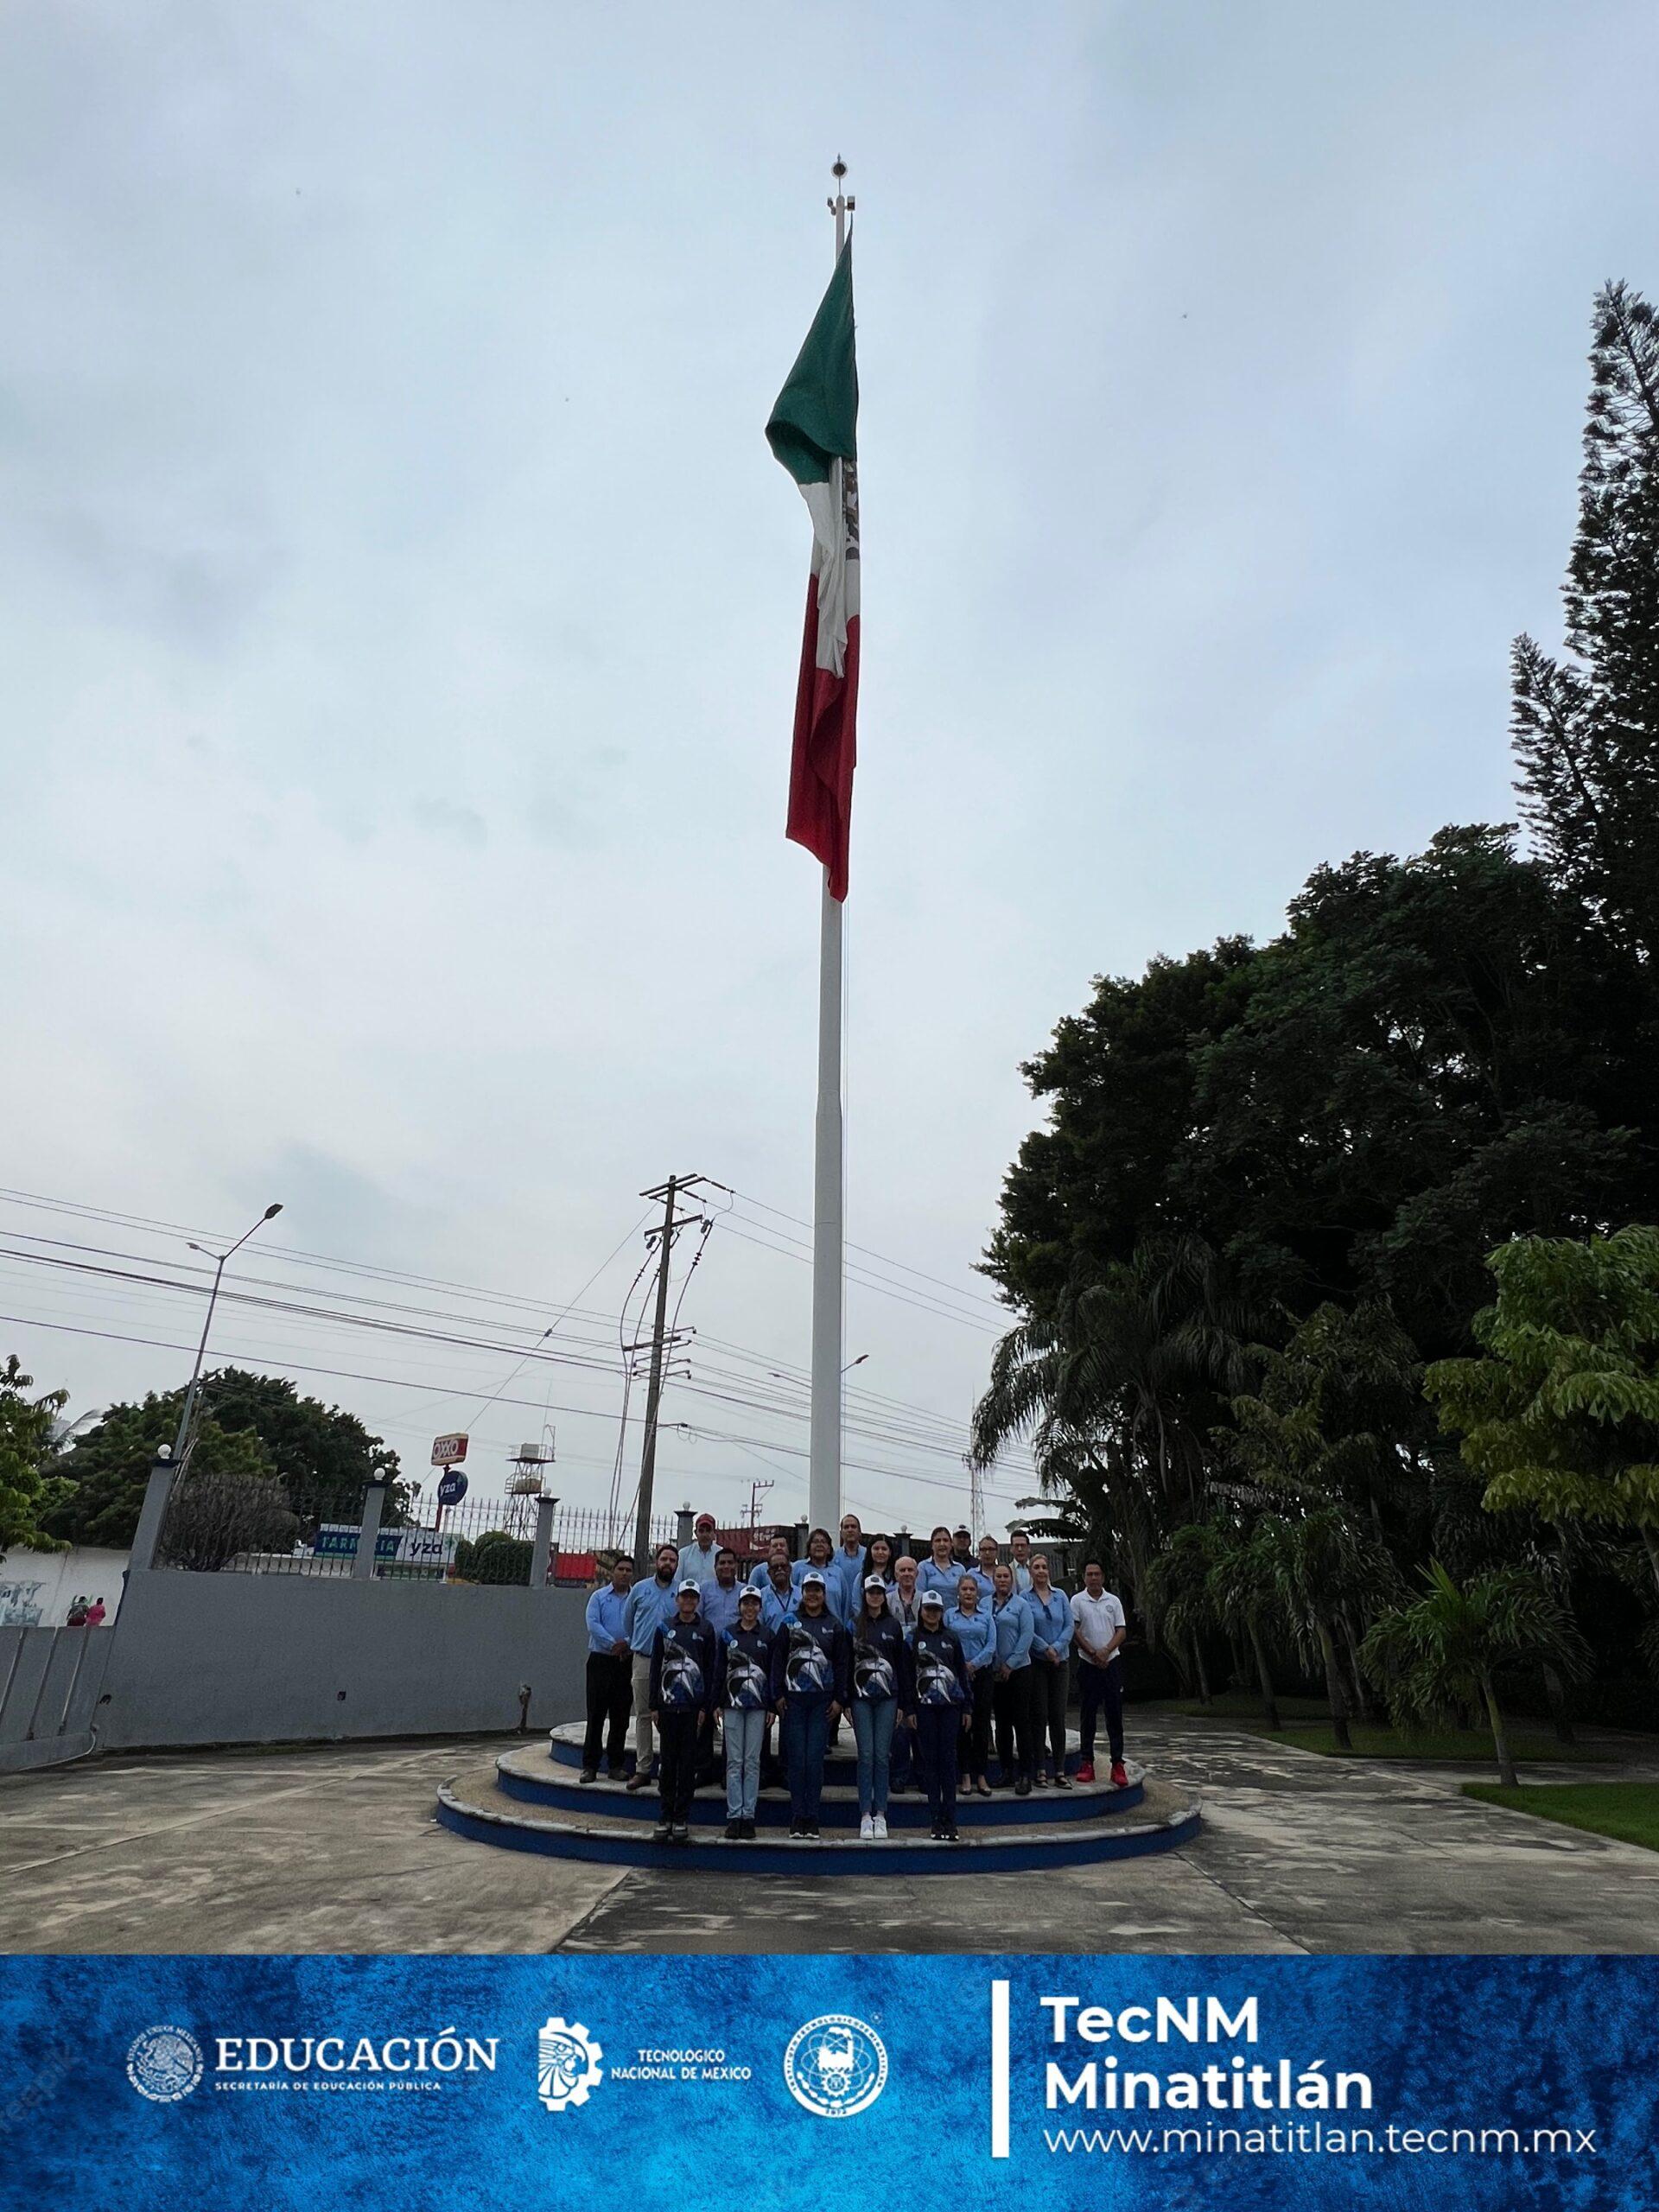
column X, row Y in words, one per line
column 1585, row 727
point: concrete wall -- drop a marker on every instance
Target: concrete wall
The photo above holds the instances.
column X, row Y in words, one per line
column 50, row 1682
column 36, row 1588
column 274, row 1658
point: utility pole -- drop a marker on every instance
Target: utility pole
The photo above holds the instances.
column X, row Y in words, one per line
column 669, row 1192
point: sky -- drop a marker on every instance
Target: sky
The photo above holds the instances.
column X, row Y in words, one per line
column 399, row 613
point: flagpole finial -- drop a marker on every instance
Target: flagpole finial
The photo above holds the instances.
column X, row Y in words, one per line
column 844, row 203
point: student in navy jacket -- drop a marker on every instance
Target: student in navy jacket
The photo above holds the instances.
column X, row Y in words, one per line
column 684, row 1662
column 743, row 1695
column 811, row 1683
column 879, row 1657
column 936, row 1698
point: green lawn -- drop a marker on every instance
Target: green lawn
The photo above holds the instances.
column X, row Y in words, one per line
column 1627, row 1811
column 1469, row 1746
column 1238, row 1705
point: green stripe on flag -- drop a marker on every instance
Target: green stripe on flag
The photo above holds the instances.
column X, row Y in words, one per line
column 815, row 422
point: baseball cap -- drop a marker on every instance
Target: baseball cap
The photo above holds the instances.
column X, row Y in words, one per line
column 749, row 1590
column 705, row 1520
column 813, row 1574
column 932, row 1597
column 689, row 1583
column 873, row 1582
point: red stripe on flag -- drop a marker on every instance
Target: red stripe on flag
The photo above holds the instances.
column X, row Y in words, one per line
column 821, row 768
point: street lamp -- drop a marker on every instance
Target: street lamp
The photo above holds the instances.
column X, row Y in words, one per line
column 220, row 1258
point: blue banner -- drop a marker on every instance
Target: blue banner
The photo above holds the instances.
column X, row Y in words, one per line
column 768, row 2084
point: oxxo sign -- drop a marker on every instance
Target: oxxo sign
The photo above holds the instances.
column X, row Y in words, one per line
column 449, row 1451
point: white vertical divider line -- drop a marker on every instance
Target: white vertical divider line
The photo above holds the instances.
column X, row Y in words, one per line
column 999, row 2070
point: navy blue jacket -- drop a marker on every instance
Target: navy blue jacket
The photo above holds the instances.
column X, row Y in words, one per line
column 685, row 1660
column 811, row 1659
column 880, row 1653
column 938, row 1672
column 745, row 1670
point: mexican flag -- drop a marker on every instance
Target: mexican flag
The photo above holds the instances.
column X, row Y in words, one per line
column 813, row 431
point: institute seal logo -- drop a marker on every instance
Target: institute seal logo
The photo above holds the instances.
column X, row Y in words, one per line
column 164, row 2064
column 567, row 2063
column 835, row 2066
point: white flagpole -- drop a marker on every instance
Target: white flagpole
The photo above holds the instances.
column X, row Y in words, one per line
column 830, row 1175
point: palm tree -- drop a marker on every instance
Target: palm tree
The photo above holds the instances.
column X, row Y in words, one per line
column 1447, row 1650
column 1330, row 1570
column 1181, row 1590
column 1117, row 1385
column 1246, row 1594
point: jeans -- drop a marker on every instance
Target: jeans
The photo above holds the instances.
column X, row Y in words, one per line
column 806, row 1736
column 902, row 1759
column 938, row 1727
column 642, row 1731
column 1101, row 1689
column 608, row 1696
column 745, row 1726
column 873, row 1719
column 678, row 1771
column 1011, row 1700
column 1048, row 1715
column 977, row 1753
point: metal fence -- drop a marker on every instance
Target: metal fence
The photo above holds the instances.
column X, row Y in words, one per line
column 238, row 1525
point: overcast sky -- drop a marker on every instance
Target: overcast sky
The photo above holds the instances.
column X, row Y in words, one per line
column 399, row 611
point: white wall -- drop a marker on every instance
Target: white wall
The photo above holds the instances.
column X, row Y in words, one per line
column 37, row 1588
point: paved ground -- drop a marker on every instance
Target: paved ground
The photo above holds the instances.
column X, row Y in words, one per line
column 336, row 1849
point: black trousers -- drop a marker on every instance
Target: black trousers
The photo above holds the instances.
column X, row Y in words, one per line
column 938, row 1727
column 677, row 1763
column 976, row 1751
column 1100, row 1689
column 1048, row 1715
column 610, row 1701
column 1016, row 1754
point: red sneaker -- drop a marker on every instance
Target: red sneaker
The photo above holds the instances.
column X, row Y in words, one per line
column 1086, row 1771
column 1119, row 1779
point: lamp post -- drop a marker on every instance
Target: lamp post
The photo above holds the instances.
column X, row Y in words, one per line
column 218, row 1258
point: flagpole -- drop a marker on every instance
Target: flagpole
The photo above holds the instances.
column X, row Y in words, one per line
column 830, row 1170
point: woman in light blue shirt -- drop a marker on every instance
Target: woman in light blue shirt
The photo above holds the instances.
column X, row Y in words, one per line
column 976, row 1631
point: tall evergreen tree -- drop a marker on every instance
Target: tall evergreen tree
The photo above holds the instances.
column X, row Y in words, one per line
column 1585, row 727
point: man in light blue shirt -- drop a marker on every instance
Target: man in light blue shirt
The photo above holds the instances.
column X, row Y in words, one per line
column 720, row 1595
column 650, row 1604
column 697, row 1559
column 1020, row 1545
column 846, row 1569
column 608, row 1673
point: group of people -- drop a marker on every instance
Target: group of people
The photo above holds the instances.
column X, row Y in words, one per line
column 933, row 1662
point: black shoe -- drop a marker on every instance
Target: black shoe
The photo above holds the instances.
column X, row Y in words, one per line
column 1022, row 1788
column 662, row 1833
column 682, row 1833
column 733, row 1831
column 813, row 1829
column 748, row 1831
column 1062, row 1782
column 951, row 1836
column 797, row 1830
column 589, row 1774
column 937, row 1833
column 642, row 1777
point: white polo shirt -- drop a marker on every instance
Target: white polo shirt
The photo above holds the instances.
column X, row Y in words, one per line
column 1097, row 1618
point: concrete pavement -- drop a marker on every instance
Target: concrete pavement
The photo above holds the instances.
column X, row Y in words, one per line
column 335, row 1849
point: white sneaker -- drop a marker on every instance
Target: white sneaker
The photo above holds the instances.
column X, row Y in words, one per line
column 880, row 1827
column 867, row 1830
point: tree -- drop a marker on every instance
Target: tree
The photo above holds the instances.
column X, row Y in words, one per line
column 1331, row 1572
column 1561, row 1416
column 1183, row 1590
column 1585, row 727
column 247, row 1424
column 1448, row 1650
column 211, row 1518
column 1247, row 1589
column 108, row 1468
column 28, row 1488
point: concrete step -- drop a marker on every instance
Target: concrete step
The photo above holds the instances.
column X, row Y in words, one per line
column 474, row 1806
column 527, row 1775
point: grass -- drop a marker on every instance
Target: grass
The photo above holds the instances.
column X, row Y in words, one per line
column 1627, row 1811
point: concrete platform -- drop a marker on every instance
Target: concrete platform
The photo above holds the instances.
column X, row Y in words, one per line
column 620, row 1835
